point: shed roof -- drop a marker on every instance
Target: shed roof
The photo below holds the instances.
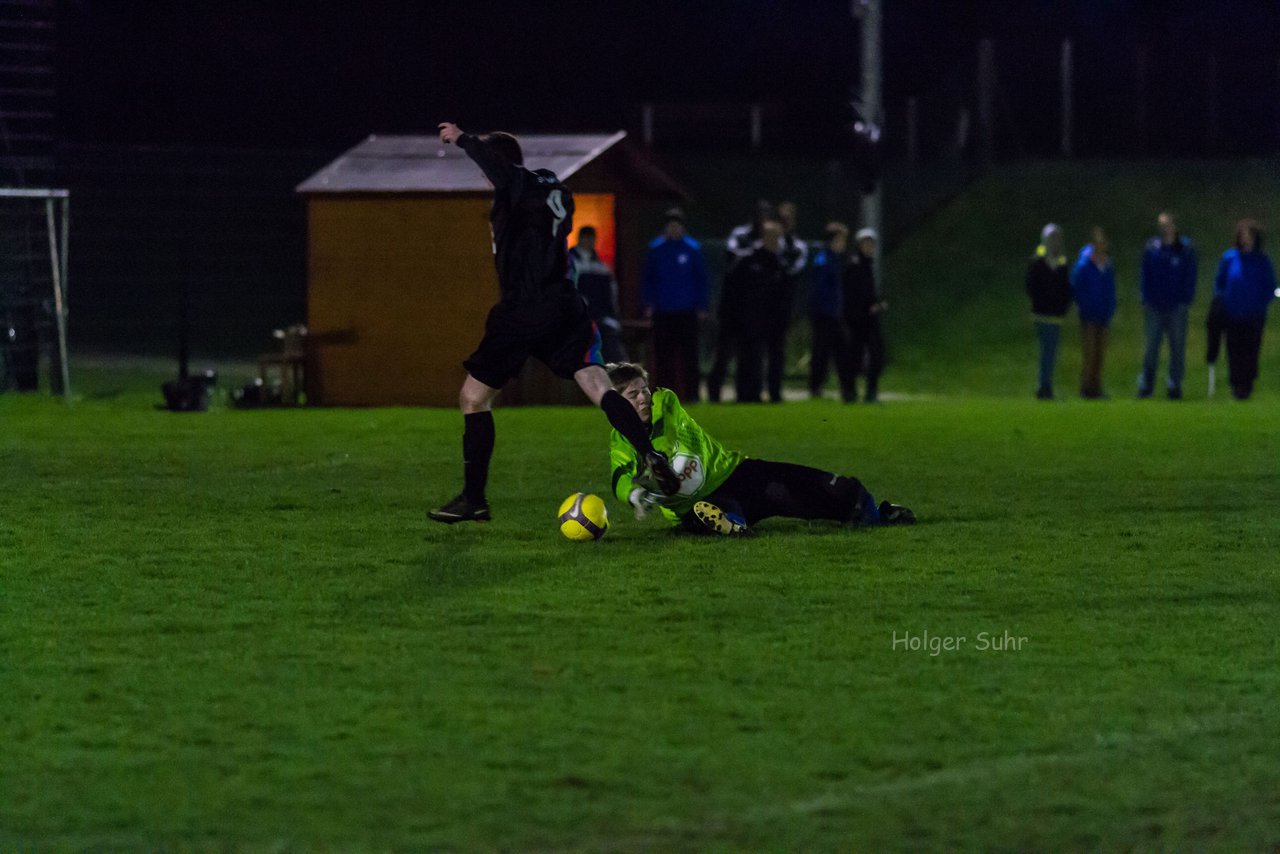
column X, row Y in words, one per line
column 400, row 164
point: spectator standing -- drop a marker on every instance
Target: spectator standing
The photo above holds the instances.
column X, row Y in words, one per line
column 795, row 252
column 1168, row 285
column 674, row 293
column 862, row 310
column 1244, row 285
column 751, row 285
column 794, row 256
column 1049, row 286
column 744, row 238
column 1093, row 282
column 742, row 241
column 830, row 338
column 599, row 288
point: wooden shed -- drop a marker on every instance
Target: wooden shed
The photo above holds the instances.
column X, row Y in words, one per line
column 400, row 263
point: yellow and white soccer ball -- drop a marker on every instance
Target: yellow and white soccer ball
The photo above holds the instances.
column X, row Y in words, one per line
column 583, row 517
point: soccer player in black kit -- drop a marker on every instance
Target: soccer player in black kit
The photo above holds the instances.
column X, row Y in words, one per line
column 540, row 313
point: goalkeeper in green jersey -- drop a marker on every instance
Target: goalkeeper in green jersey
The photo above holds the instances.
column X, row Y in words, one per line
column 723, row 491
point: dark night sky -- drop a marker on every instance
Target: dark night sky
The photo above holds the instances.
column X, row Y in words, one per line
column 324, row 74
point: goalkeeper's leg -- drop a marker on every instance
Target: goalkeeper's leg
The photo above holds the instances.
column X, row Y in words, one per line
column 800, row 492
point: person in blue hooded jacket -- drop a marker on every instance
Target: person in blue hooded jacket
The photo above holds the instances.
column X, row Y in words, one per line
column 674, row 293
column 1167, row 285
column 1243, row 287
column 1093, row 283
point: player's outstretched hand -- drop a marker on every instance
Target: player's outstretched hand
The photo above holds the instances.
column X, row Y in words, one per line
column 641, row 501
column 636, row 500
column 449, row 133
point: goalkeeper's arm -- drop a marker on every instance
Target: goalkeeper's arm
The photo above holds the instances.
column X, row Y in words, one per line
column 626, row 486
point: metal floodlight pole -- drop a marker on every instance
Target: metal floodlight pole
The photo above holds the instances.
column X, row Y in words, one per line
column 868, row 11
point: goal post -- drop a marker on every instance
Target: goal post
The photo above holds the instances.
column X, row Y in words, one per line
column 55, row 223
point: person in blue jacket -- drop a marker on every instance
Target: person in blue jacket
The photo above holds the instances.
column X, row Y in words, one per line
column 674, row 293
column 1167, row 285
column 826, row 315
column 1243, row 286
column 1093, row 283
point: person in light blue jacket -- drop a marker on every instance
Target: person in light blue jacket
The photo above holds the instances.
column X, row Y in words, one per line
column 1243, row 287
column 1093, row 283
column 1168, row 285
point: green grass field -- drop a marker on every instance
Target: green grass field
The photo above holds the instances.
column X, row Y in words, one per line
column 237, row 630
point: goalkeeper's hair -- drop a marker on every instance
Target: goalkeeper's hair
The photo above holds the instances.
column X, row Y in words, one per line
column 621, row 373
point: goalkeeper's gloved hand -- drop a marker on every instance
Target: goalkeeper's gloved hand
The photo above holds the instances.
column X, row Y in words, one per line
column 641, row 500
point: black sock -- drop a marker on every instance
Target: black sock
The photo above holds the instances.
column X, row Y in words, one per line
column 624, row 419
column 477, row 448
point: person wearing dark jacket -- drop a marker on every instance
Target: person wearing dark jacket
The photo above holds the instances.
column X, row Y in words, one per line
column 1049, row 286
column 1093, row 282
column 830, row 338
column 751, row 286
column 540, row 313
column 1168, row 285
column 742, row 241
column 795, row 256
column 1244, row 286
column 862, row 310
column 599, row 288
column 674, row 293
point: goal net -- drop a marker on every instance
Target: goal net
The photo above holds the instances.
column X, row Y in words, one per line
column 33, row 288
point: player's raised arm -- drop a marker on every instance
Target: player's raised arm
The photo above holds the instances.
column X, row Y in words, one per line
column 449, row 133
column 500, row 170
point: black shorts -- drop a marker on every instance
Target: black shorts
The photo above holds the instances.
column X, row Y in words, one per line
column 558, row 331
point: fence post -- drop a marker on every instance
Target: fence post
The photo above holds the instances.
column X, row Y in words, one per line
column 1067, row 72
column 1212, row 130
column 1142, row 79
column 913, row 129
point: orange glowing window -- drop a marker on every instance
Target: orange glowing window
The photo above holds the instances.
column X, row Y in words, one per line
column 596, row 210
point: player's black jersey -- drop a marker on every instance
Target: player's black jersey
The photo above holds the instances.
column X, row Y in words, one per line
column 531, row 217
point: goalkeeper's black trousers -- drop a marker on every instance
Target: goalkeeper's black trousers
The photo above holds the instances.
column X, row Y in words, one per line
column 759, row 489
